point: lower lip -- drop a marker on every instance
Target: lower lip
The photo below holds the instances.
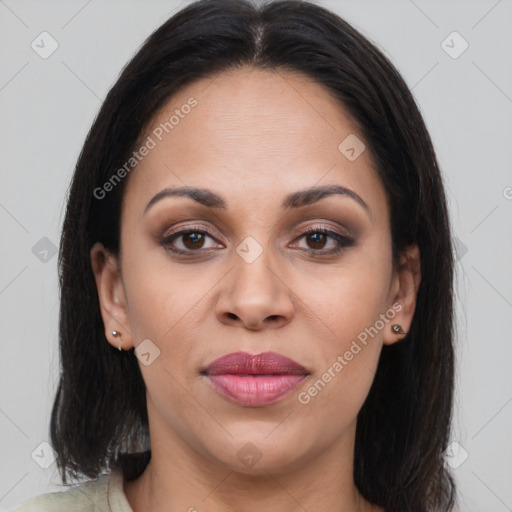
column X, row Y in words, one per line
column 254, row 390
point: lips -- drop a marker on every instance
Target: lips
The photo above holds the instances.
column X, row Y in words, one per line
column 266, row 363
column 254, row 379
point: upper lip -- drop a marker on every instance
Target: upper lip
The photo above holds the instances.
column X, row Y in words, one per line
column 244, row 363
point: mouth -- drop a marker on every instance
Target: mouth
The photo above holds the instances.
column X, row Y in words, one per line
column 254, row 380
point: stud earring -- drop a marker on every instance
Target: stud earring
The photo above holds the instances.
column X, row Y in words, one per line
column 116, row 334
column 397, row 329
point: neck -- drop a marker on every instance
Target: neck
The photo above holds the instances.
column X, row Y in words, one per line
column 178, row 478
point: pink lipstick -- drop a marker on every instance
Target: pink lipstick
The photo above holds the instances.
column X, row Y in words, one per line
column 254, row 380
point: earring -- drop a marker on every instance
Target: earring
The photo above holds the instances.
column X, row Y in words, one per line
column 116, row 334
column 397, row 329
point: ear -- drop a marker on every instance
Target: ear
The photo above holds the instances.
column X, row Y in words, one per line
column 111, row 296
column 404, row 289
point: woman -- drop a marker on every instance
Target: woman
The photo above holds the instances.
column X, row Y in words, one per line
column 256, row 278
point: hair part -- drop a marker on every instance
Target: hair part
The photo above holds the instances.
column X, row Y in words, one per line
column 99, row 414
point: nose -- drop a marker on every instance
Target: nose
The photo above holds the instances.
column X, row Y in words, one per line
column 255, row 295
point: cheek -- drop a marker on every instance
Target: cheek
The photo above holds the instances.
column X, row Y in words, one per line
column 168, row 306
column 159, row 295
column 349, row 311
column 347, row 300
column 350, row 349
column 337, row 393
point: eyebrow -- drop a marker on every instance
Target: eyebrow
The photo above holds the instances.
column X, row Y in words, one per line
column 297, row 199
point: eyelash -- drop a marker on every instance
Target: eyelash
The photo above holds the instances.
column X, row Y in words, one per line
column 344, row 241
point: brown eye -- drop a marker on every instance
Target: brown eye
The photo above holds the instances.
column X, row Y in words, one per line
column 191, row 240
column 318, row 240
column 194, row 240
column 318, row 237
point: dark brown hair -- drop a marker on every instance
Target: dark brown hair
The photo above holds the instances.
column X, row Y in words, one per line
column 403, row 427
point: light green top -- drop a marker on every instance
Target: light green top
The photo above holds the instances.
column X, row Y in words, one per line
column 105, row 494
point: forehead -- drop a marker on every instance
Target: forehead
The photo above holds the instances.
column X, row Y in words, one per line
column 251, row 134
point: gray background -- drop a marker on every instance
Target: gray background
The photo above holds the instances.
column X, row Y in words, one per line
column 47, row 106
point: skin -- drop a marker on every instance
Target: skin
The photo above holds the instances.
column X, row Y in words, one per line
column 254, row 137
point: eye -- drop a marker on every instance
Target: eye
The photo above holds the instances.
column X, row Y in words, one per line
column 317, row 238
column 193, row 240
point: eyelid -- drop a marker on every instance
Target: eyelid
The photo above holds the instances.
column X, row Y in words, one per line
column 296, row 231
column 343, row 241
column 328, row 227
column 194, row 227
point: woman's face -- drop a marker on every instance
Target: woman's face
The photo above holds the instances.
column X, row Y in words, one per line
column 247, row 278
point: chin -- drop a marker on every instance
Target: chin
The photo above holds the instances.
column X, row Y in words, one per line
column 260, row 453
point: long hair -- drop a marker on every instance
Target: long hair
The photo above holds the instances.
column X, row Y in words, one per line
column 403, row 427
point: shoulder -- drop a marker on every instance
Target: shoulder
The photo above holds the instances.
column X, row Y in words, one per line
column 85, row 497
